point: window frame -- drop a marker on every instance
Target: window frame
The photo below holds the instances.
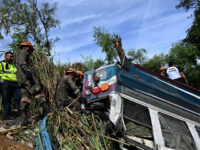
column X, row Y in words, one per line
column 156, row 126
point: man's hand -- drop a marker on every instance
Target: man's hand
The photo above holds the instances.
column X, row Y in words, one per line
column 186, row 82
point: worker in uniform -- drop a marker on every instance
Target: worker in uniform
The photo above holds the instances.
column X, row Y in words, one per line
column 28, row 82
column 8, row 85
column 67, row 91
column 79, row 79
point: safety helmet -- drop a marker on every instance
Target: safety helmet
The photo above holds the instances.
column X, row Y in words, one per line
column 79, row 74
column 70, row 71
column 26, row 44
column 162, row 68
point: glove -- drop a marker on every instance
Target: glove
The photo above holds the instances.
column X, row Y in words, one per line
column 28, row 74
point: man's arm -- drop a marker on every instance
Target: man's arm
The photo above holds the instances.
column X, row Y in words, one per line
column 1, row 71
column 23, row 54
column 73, row 86
column 184, row 77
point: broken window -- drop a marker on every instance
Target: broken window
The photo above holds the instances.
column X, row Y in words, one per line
column 138, row 123
column 176, row 133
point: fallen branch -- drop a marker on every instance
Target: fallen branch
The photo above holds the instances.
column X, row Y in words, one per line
column 67, row 107
column 13, row 129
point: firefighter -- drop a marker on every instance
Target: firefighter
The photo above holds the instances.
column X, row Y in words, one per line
column 8, row 85
column 28, row 82
column 67, row 91
column 79, row 79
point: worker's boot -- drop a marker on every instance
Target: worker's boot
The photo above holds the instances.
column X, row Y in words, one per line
column 45, row 109
column 45, row 106
column 24, row 118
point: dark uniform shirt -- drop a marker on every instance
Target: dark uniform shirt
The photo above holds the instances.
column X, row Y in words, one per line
column 66, row 90
column 24, row 63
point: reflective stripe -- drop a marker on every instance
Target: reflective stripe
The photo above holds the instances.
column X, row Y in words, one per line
column 2, row 66
column 25, row 99
column 39, row 95
column 8, row 73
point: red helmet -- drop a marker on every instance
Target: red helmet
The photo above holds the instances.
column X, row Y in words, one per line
column 26, row 44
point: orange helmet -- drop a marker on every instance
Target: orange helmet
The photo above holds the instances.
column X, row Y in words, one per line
column 79, row 74
column 70, row 71
column 26, row 44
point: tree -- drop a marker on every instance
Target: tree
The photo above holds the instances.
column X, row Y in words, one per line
column 185, row 56
column 137, row 56
column 105, row 41
column 156, row 62
column 193, row 33
column 90, row 63
column 188, row 4
column 29, row 19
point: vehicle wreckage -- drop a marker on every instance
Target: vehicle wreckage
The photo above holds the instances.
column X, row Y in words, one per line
column 148, row 110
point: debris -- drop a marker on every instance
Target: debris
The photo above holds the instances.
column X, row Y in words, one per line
column 67, row 131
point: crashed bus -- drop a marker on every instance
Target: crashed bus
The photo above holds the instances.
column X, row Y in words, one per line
column 150, row 111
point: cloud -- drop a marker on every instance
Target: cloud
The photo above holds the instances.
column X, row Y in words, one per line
column 153, row 25
column 79, row 20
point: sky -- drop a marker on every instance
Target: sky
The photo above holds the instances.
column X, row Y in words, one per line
column 150, row 24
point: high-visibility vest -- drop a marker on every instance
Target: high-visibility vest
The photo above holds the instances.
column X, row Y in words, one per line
column 8, row 73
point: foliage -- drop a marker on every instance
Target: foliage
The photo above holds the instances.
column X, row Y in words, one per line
column 193, row 33
column 185, row 56
column 187, row 4
column 90, row 63
column 105, row 41
column 156, row 62
column 137, row 56
column 77, row 131
column 30, row 19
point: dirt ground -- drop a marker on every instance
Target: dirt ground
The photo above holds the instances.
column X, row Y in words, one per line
column 7, row 144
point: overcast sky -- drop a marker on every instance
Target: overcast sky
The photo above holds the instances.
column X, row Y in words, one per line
column 151, row 24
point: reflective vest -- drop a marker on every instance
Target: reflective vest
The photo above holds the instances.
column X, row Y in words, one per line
column 8, row 73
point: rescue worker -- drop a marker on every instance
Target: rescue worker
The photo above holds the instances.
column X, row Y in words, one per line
column 8, row 85
column 176, row 74
column 28, row 82
column 79, row 79
column 67, row 91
